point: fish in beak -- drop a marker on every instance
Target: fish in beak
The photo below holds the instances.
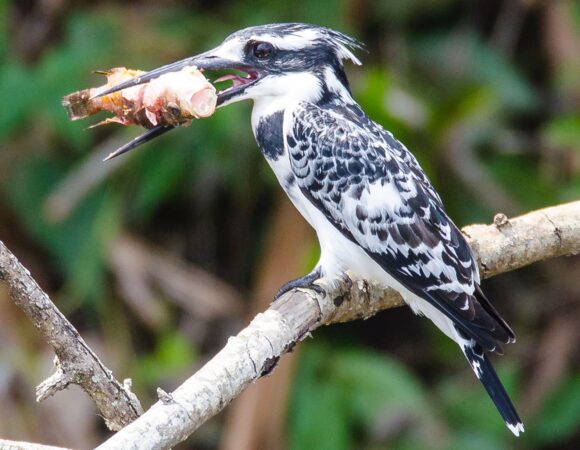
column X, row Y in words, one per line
column 203, row 62
column 163, row 98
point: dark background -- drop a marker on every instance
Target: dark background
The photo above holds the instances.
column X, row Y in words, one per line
column 160, row 255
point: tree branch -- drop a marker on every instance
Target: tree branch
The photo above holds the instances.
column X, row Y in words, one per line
column 254, row 352
column 6, row 444
column 75, row 361
column 510, row 244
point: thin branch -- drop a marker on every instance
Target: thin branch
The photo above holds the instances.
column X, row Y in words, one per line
column 75, row 361
column 254, row 352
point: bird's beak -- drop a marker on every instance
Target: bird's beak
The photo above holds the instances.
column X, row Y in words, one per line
column 207, row 61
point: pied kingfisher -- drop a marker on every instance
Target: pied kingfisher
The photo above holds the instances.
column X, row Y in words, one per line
column 373, row 208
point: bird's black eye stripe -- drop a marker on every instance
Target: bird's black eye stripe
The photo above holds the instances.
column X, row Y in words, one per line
column 262, row 50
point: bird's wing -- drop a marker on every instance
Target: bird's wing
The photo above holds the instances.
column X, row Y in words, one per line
column 373, row 190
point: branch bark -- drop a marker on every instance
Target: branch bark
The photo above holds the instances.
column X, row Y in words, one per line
column 6, row 444
column 254, row 352
column 75, row 361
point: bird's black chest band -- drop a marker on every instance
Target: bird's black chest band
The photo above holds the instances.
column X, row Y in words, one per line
column 269, row 135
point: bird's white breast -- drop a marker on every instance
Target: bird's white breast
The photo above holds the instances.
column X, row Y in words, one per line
column 338, row 253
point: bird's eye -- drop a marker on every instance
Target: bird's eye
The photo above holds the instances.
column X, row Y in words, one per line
column 263, row 50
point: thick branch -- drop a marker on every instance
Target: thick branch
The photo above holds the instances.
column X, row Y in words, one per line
column 5, row 444
column 75, row 361
column 254, row 352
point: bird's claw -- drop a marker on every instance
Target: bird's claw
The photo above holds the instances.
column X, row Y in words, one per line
column 306, row 282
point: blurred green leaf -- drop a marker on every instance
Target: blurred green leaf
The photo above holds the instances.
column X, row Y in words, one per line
column 378, row 382
column 18, row 89
column 560, row 416
column 336, row 387
column 520, row 176
column 461, row 58
column 563, row 132
column 4, row 18
column 172, row 357
column 400, row 12
column 161, row 172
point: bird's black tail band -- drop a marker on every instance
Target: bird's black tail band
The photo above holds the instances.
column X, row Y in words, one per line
column 488, row 377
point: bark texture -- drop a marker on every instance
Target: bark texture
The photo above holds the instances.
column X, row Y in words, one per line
column 5, row 444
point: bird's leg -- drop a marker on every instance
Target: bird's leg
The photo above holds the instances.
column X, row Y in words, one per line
column 306, row 282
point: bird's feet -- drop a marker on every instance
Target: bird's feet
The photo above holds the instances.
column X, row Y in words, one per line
column 306, row 282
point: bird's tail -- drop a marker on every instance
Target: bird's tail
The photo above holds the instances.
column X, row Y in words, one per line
column 488, row 377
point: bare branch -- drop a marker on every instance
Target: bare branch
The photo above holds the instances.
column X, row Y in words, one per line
column 254, row 352
column 536, row 236
column 5, row 444
column 75, row 361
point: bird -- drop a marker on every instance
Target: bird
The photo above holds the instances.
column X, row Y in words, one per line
column 374, row 210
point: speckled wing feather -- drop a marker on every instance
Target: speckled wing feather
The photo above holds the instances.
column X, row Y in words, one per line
column 373, row 190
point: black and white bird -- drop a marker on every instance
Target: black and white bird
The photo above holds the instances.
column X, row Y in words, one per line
column 373, row 208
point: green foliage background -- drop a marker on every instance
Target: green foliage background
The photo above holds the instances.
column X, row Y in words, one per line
column 482, row 92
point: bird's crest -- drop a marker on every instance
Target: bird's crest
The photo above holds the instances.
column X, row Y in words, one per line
column 294, row 36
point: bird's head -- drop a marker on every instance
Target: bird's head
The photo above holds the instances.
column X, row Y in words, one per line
column 277, row 63
column 296, row 61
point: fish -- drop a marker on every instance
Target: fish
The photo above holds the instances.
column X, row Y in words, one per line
column 170, row 100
